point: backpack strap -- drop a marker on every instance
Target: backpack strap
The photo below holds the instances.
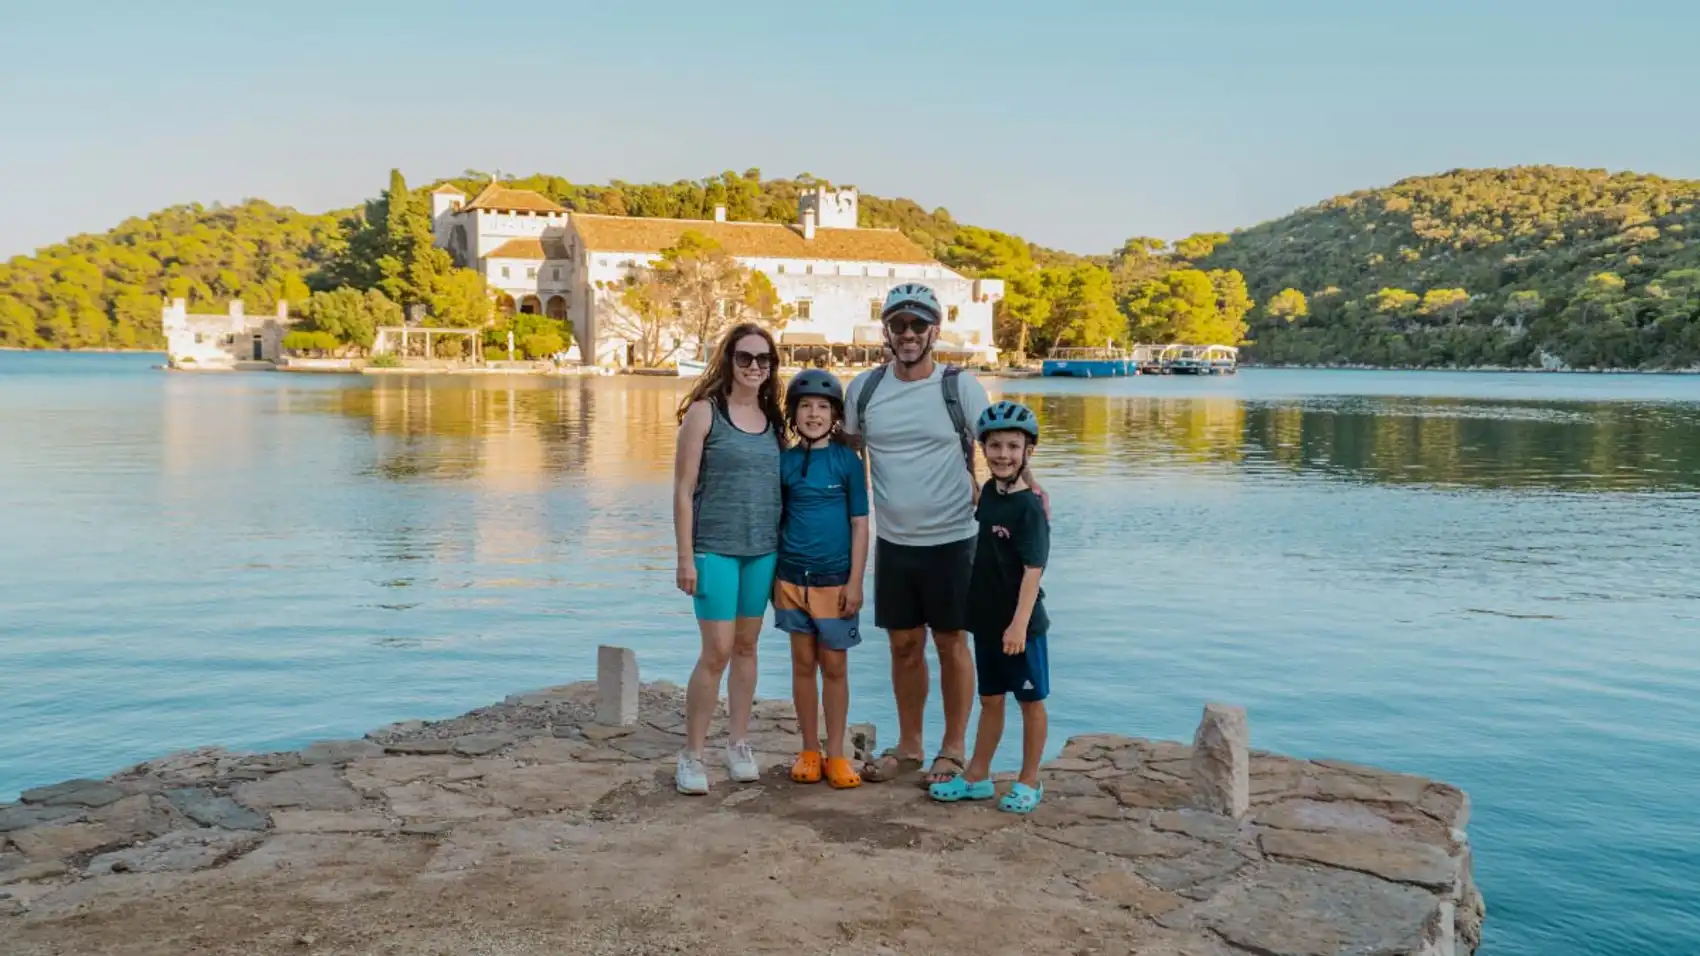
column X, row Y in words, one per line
column 862, row 398
column 952, row 389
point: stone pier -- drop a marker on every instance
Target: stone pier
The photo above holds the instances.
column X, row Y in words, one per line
column 538, row 826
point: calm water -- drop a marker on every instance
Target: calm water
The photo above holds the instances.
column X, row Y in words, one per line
column 1487, row 579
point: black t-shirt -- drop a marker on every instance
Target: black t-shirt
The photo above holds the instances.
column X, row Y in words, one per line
column 1014, row 536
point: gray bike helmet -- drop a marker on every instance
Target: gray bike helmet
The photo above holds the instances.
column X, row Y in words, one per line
column 814, row 381
column 1007, row 416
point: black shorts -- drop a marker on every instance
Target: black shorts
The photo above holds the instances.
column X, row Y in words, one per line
column 922, row 585
column 1027, row 675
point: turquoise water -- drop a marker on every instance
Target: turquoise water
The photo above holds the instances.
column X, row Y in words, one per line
column 1488, row 579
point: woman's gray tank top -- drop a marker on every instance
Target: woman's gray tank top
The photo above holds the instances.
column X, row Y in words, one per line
column 735, row 508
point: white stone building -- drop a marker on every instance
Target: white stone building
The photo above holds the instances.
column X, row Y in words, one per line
column 539, row 258
column 222, row 342
column 514, row 237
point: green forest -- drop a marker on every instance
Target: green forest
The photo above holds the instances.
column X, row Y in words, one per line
column 1518, row 267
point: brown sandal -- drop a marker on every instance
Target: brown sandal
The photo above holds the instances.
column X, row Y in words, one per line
column 890, row 766
column 935, row 775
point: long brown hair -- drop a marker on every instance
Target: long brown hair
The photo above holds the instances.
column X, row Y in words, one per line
column 715, row 383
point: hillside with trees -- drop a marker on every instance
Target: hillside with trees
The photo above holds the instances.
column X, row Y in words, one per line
column 1515, row 267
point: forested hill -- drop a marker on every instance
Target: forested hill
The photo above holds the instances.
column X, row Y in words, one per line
column 1475, row 267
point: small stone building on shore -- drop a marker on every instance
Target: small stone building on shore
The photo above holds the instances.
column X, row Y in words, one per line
column 234, row 340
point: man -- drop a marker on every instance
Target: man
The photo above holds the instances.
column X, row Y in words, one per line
column 924, row 493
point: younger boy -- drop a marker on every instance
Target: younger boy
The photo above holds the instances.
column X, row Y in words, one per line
column 1006, row 610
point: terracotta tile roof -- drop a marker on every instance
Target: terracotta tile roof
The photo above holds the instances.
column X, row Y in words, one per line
column 757, row 239
column 446, row 190
column 502, row 199
column 550, row 248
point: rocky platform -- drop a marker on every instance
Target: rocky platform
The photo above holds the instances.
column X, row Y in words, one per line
column 528, row 827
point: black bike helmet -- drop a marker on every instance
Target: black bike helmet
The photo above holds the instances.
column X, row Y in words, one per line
column 814, row 381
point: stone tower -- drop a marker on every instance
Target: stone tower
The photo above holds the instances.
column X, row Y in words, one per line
column 832, row 208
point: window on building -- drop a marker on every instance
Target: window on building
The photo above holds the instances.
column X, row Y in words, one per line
column 809, row 269
column 875, row 306
column 555, row 273
column 891, row 273
column 782, row 268
column 531, row 272
column 804, row 306
column 504, row 272
column 950, row 313
column 865, row 270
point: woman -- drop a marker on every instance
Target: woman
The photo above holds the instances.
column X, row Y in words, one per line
column 726, row 507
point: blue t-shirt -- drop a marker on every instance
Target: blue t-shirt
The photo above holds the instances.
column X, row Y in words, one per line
column 823, row 489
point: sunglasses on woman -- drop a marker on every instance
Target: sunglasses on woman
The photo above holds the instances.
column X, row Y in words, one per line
column 746, row 359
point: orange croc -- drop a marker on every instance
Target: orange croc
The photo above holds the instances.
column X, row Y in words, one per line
column 807, row 767
column 842, row 774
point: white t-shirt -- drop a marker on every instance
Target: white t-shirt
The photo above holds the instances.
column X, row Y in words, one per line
column 923, row 492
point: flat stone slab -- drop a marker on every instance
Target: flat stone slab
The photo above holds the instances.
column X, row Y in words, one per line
column 15, row 868
column 313, row 788
column 477, row 745
column 214, row 810
column 331, row 821
column 424, row 745
column 1120, row 839
column 22, row 818
column 339, row 752
column 1391, row 858
column 1300, row 911
column 178, row 852
column 62, row 840
column 75, row 793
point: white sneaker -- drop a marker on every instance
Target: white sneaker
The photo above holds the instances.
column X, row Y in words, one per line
column 741, row 762
column 691, row 776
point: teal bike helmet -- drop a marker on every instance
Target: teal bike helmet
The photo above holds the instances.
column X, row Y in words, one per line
column 915, row 299
column 1007, row 416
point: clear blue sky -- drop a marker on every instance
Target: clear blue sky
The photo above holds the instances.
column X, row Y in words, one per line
column 1074, row 124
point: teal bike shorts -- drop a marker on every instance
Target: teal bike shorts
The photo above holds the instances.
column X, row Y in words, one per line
column 731, row 587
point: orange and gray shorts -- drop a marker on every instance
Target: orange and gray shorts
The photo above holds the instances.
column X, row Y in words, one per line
column 805, row 603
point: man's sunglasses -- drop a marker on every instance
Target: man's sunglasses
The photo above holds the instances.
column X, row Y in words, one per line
column 746, row 359
column 899, row 324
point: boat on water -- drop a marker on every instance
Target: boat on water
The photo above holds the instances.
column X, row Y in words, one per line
column 1096, row 362
column 1222, row 359
column 691, row 368
column 1184, row 360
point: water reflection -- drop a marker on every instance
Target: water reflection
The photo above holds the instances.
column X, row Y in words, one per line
column 524, row 434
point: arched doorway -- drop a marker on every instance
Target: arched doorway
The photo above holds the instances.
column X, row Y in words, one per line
column 530, row 306
column 504, row 304
column 557, row 308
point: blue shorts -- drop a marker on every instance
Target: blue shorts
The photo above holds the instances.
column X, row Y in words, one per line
column 730, row 587
column 1026, row 675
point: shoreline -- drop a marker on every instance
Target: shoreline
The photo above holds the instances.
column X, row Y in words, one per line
column 547, row 823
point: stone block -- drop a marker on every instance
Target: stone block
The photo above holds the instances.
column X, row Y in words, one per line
column 331, row 821
column 864, row 742
column 59, row 842
column 1221, row 761
column 1388, row 857
column 616, row 686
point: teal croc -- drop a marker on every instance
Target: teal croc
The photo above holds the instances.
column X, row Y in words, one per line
column 957, row 788
column 1021, row 798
